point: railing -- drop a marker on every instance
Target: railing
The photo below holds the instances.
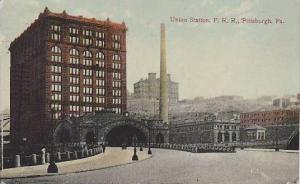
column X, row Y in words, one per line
column 38, row 159
column 194, row 148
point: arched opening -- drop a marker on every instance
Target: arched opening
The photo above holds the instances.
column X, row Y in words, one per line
column 159, row 138
column 219, row 137
column 226, row 136
column 124, row 135
column 294, row 142
column 62, row 134
column 90, row 138
column 233, row 137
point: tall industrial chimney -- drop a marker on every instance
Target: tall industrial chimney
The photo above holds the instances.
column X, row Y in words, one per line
column 163, row 101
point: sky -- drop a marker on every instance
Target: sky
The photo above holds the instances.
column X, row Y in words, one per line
column 207, row 59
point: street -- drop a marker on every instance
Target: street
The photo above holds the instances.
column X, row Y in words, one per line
column 170, row 166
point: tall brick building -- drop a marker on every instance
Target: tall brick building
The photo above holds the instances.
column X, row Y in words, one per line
column 64, row 65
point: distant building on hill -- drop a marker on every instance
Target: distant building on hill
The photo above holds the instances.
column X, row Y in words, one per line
column 149, row 88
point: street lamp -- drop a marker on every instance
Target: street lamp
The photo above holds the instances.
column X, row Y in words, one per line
column 276, row 141
column 149, row 137
column 134, row 157
column 52, row 168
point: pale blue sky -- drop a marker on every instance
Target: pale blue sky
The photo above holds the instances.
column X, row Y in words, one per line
column 206, row 59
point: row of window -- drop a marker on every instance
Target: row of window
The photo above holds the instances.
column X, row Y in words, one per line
column 85, row 32
column 87, row 58
column 87, row 39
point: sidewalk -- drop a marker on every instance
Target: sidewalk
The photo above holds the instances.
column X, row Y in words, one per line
column 112, row 157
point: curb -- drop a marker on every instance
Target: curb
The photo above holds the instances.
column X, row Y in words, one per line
column 59, row 174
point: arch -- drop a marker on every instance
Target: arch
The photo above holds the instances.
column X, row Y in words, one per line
column 159, row 138
column 219, row 137
column 87, row 54
column 123, row 134
column 90, row 138
column 56, row 50
column 293, row 143
column 233, row 136
column 63, row 133
column 226, row 137
column 74, row 52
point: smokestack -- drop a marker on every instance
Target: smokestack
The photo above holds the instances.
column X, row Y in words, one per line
column 163, row 102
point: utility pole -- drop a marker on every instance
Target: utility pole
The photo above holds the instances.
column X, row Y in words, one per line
column 2, row 142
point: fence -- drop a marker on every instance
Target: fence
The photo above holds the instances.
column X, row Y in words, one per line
column 38, row 159
column 194, row 148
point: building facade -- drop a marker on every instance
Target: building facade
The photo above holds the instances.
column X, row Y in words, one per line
column 270, row 118
column 64, row 65
column 149, row 88
column 210, row 132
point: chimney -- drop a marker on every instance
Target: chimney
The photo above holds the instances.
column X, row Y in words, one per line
column 163, row 101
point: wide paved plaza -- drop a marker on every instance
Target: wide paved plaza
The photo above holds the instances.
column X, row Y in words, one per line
column 169, row 166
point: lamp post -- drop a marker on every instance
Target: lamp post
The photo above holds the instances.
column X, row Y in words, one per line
column 149, row 131
column 134, row 157
column 52, row 168
column 2, row 119
column 276, row 137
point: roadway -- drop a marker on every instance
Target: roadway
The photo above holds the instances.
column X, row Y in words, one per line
column 169, row 166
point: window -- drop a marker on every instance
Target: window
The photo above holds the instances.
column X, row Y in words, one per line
column 74, row 108
column 55, row 54
column 55, row 87
column 74, row 80
column 87, row 32
column 116, row 65
column 87, row 81
column 99, row 35
column 100, row 91
column 116, row 45
column 88, row 99
column 100, row 73
column 74, row 89
column 116, row 41
column 116, row 100
column 87, row 109
column 56, row 69
column 116, row 62
column 74, row 98
column 99, row 108
column 55, row 32
column 74, row 71
column 87, row 58
column 74, row 35
column 99, row 43
column 117, row 110
column 116, row 84
column 87, row 90
column 100, row 59
column 55, row 78
column 87, row 41
column 74, row 56
column 116, row 92
column 56, row 97
column 116, row 75
column 87, row 72
column 100, row 82
column 116, row 37
column 100, row 100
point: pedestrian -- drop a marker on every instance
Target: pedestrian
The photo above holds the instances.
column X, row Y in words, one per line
column 103, row 147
